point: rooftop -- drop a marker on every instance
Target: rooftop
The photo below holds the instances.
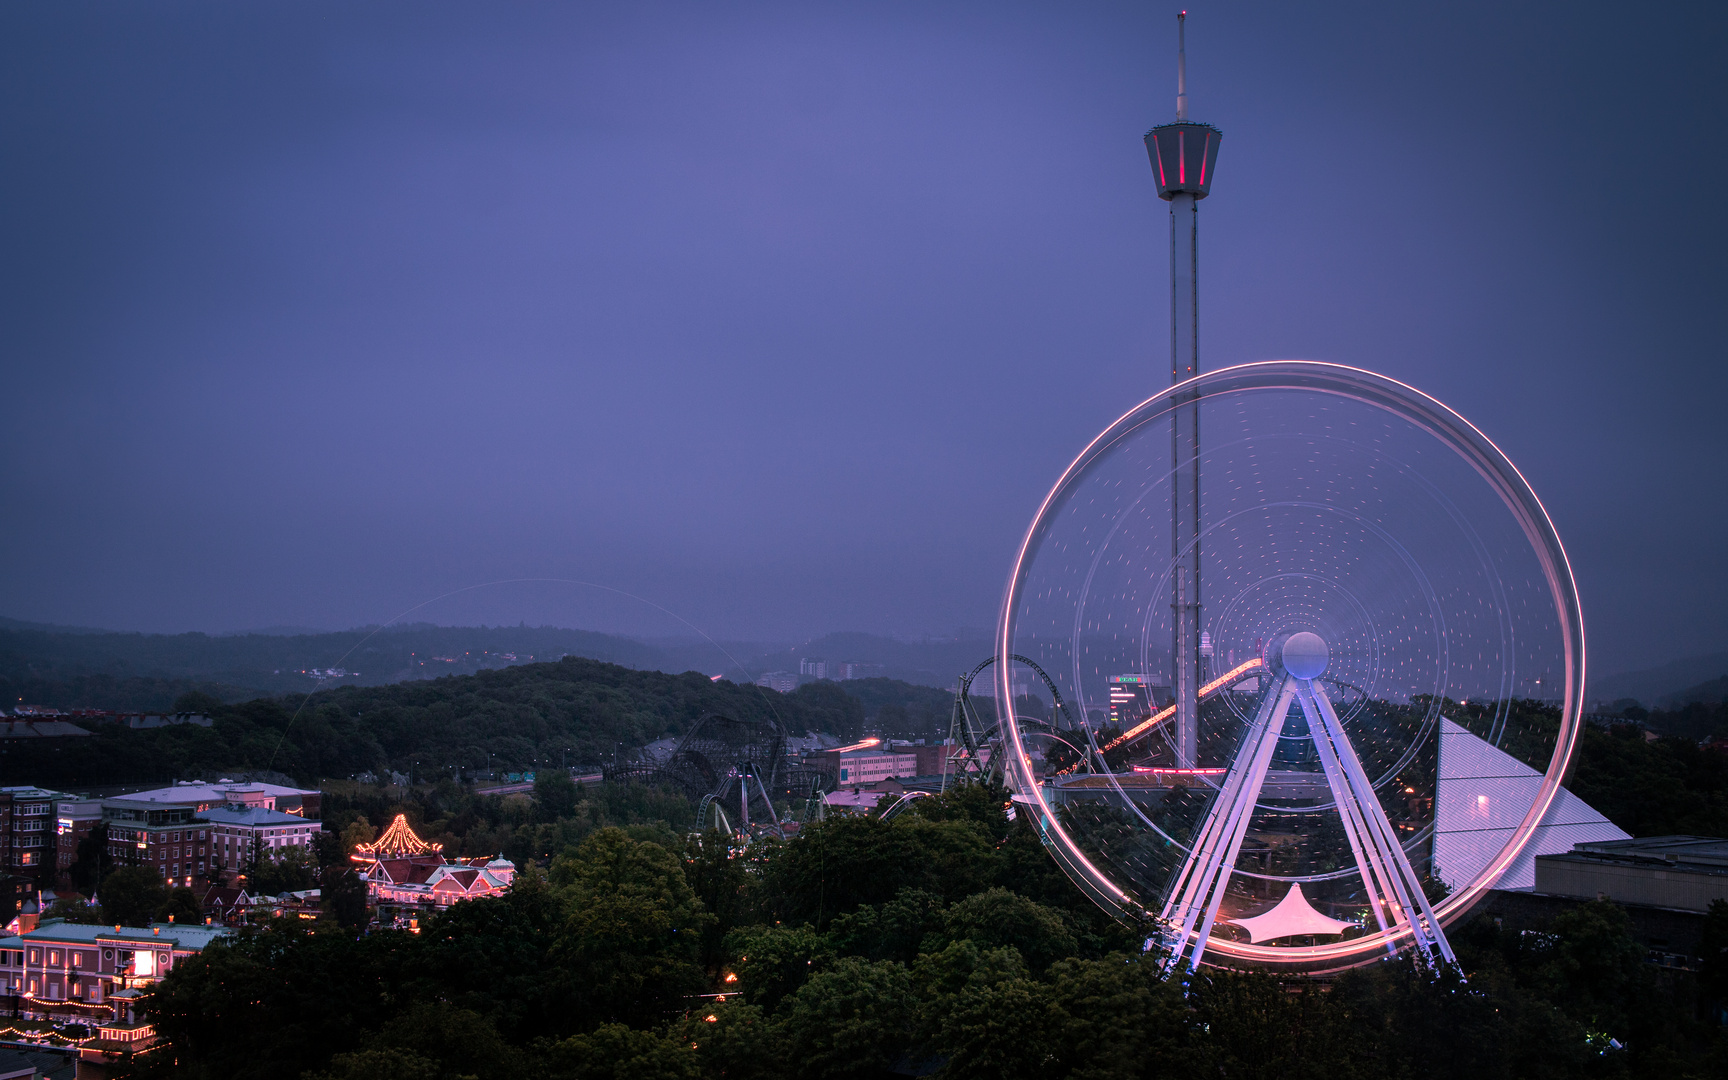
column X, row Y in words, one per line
column 250, row 815
column 186, row 791
column 1696, row 854
column 28, row 792
column 180, row 935
column 39, row 729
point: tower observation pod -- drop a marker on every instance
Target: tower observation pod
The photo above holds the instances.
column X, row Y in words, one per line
column 1183, row 158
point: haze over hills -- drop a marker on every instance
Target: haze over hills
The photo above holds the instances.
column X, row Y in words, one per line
column 931, row 662
column 1678, row 682
column 82, row 667
column 69, row 667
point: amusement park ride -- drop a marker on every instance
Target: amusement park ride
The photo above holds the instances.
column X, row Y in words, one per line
column 1377, row 575
column 1396, row 634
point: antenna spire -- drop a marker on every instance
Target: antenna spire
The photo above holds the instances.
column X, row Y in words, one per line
column 1181, row 65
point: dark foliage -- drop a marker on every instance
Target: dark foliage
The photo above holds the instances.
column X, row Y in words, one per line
column 936, row 942
column 1652, row 788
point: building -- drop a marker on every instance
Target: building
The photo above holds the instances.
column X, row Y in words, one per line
column 837, row 670
column 782, row 681
column 188, row 840
column 95, row 975
column 41, row 1063
column 867, row 767
column 152, row 834
column 74, row 821
column 413, row 883
column 872, row 760
column 403, row 871
column 70, row 971
column 1679, row 873
column 241, row 834
column 27, row 833
column 1480, row 798
column 1665, row 884
column 855, row 800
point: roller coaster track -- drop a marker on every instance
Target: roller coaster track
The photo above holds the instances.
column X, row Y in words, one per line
column 975, row 738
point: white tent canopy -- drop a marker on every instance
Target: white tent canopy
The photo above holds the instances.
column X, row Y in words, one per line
column 1292, row 916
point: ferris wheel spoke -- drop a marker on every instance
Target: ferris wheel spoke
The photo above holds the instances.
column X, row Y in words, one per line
column 1192, row 910
column 1387, row 859
column 1375, row 880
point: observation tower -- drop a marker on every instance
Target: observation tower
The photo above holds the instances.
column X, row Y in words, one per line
column 1183, row 155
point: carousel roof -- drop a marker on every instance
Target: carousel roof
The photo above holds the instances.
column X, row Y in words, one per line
column 398, row 840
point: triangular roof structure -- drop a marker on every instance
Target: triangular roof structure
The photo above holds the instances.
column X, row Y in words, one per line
column 463, row 877
column 1292, row 916
column 398, row 840
column 403, row 871
column 1482, row 797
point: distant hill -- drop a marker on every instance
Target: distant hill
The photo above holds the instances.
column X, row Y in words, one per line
column 575, row 711
column 1667, row 685
column 45, row 665
column 20, row 624
column 1713, row 692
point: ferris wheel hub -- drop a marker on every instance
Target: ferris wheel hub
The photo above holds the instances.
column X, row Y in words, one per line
column 1305, row 655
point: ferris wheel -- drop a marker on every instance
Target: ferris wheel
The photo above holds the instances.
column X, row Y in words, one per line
column 1369, row 604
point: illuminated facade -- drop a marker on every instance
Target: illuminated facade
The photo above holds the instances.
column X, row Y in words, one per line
column 70, row 971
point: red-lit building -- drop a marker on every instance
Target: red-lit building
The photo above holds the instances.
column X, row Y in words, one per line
column 403, row 871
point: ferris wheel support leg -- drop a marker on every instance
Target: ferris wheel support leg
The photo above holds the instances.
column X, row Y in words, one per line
column 1199, row 888
column 1414, row 908
column 1376, row 881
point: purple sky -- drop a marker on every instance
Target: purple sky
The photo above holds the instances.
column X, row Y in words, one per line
column 785, row 316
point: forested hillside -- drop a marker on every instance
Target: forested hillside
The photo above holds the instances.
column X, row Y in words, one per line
column 575, row 711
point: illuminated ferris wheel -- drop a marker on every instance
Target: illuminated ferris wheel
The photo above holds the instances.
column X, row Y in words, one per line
column 1314, row 722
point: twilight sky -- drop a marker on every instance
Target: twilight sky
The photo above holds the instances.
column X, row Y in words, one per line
column 785, row 316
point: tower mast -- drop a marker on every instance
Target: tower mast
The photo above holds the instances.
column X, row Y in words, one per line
column 1183, row 154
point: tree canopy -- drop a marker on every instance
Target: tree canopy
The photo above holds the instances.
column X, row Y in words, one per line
column 953, row 955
